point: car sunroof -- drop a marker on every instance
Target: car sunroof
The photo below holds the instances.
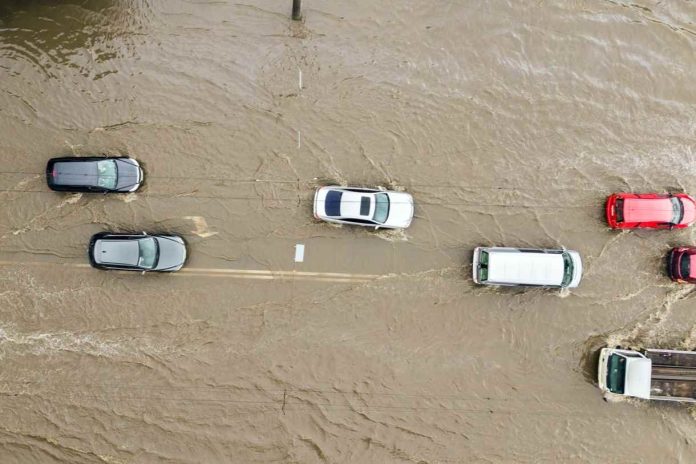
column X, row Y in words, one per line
column 364, row 206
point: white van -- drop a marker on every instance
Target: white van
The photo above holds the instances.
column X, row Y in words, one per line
column 527, row 267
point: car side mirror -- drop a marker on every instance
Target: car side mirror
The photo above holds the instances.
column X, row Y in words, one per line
column 143, row 273
column 376, row 227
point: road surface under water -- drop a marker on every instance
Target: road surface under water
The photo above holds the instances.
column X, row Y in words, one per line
column 509, row 122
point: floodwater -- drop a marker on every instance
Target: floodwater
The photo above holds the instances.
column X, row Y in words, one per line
column 509, row 122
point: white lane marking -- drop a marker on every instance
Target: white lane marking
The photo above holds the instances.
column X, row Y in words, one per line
column 280, row 273
column 299, row 253
column 264, row 277
column 40, row 263
column 300, row 77
column 232, row 273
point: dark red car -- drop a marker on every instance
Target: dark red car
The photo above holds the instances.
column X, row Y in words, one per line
column 682, row 264
column 650, row 210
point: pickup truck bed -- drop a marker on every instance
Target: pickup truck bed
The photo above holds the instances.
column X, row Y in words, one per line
column 673, row 374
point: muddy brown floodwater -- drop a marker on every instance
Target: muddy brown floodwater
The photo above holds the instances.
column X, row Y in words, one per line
column 509, row 122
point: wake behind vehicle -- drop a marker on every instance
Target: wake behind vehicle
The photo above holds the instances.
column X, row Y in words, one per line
column 681, row 264
column 650, row 211
column 652, row 374
column 529, row 267
column 94, row 174
column 137, row 252
column 364, row 207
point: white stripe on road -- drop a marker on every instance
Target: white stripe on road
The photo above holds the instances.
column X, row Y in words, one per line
column 231, row 273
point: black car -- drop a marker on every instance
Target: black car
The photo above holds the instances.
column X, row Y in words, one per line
column 94, row 174
column 137, row 252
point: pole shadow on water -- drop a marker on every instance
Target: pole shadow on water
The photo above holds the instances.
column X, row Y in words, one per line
column 297, row 10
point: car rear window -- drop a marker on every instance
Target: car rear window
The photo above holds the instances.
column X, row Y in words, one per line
column 332, row 204
column 619, row 210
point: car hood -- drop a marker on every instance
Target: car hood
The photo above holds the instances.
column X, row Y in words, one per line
column 128, row 174
column 400, row 210
column 689, row 210
column 172, row 253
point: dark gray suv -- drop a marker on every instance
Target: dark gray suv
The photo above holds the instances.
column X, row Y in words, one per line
column 94, row 174
column 137, row 252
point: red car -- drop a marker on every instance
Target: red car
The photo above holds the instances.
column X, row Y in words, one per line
column 650, row 210
column 682, row 264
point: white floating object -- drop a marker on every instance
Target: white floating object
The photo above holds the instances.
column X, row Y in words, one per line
column 299, row 253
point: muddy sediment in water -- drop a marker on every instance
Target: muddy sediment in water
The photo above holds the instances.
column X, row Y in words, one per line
column 509, row 123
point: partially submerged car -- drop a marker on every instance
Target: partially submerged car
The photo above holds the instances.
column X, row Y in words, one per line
column 94, row 174
column 137, row 252
column 650, row 210
column 364, row 207
column 528, row 267
column 681, row 264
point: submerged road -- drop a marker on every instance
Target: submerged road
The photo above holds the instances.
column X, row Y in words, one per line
column 509, row 123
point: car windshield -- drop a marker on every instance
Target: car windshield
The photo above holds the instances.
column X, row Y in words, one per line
column 148, row 253
column 106, row 174
column 381, row 207
column 483, row 266
column 616, row 373
column 567, row 269
column 677, row 210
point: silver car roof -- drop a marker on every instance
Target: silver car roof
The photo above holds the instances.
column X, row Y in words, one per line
column 123, row 252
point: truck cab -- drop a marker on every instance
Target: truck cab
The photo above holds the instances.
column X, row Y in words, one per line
column 624, row 372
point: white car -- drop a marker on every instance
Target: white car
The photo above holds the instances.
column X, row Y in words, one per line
column 531, row 267
column 364, row 207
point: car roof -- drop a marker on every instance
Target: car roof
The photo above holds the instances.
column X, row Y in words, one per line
column 117, row 251
column 76, row 173
column 525, row 267
column 647, row 210
column 351, row 204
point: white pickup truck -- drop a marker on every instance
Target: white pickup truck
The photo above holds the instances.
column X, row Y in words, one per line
column 667, row 375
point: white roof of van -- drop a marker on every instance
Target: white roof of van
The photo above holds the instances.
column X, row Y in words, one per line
column 531, row 268
column 638, row 377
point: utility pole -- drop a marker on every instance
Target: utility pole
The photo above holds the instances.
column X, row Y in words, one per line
column 296, row 10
